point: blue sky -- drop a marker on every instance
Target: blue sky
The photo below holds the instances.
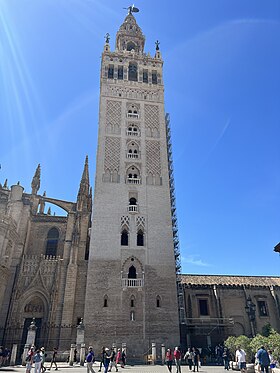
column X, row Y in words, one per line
column 222, row 79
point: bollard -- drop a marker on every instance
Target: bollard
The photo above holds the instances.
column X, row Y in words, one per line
column 162, row 354
column 82, row 354
column 13, row 355
column 71, row 357
column 154, row 353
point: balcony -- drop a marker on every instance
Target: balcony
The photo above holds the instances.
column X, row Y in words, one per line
column 132, row 133
column 132, row 282
column 132, row 180
column 132, row 155
column 132, row 208
column 133, row 115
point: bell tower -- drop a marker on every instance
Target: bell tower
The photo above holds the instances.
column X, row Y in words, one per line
column 131, row 294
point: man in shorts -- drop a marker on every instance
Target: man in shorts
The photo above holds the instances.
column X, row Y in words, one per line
column 240, row 357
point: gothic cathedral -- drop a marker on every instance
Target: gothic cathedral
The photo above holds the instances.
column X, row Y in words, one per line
column 131, row 294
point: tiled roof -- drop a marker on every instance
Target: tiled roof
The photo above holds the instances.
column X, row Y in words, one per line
column 230, row 280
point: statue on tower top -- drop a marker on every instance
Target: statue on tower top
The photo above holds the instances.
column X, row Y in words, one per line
column 132, row 9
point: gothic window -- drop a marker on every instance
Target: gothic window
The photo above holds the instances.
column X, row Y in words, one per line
column 124, row 238
column 105, row 303
column 132, row 301
column 203, row 307
column 133, row 130
column 111, row 72
column 133, row 175
column 140, row 238
column 132, row 272
column 52, row 242
column 158, row 301
column 120, row 72
column 262, row 308
column 145, row 76
column 132, row 72
column 154, row 77
column 130, row 46
column 132, row 150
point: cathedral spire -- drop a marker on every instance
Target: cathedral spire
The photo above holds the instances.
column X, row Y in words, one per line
column 35, row 184
column 83, row 198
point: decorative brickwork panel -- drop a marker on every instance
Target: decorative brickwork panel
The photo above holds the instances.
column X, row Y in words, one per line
column 153, row 163
column 112, row 154
column 152, row 120
column 140, row 222
column 113, row 116
column 124, row 221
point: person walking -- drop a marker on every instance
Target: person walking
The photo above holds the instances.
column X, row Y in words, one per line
column 113, row 360
column 263, row 358
column 90, row 360
column 240, row 357
column 53, row 361
column 169, row 359
column 226, row 358
column 119, row 356
column 195, row 358
column 37, row 361
column 43, row 356
column 123, row 358
column 102, row 355
column 188, row 358
column 177, row 358
column 106, row 359
column 29, row 359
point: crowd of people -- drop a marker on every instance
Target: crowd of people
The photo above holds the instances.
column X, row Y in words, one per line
column 191, row 357
column 5, row 354
column 38, row 358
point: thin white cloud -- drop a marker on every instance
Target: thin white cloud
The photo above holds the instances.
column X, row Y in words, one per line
column 194, row 260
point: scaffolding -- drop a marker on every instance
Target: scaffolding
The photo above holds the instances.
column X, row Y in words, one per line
column 177, row 255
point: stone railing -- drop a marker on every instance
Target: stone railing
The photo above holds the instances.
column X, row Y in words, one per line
column 132, row 282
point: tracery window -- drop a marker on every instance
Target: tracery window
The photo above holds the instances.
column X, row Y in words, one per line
column 140, row 238
column 124, row 238
column 52, row 242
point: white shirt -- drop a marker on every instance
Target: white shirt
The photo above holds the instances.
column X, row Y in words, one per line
column 241, row 356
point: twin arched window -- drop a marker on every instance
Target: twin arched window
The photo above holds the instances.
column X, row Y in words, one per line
column 52, row 242
column 132, row 72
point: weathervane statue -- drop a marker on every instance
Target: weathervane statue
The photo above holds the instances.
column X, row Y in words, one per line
column 132, row 9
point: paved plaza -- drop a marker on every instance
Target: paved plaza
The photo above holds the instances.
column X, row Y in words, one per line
column 129, row 369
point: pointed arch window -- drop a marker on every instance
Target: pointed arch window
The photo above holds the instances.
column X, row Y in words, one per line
column 124, row 238
column 52, row 242
column 105, row 301
column 130, row 45
column 140, row 238
column 132, row 272
column 132, row 301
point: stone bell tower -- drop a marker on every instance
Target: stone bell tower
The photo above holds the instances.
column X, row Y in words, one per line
column 131, row 293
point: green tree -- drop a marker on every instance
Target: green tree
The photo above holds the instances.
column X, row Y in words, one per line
column 258, row 341
column 273, row 343
column 266, row 329
column 244, row 343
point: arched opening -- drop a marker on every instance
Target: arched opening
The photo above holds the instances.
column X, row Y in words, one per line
column 140, row 238
column 132, row 72
column 52, row 242
column 132, row 272
column 130, row 45
column 105, row 302
column 124, row 238
column 132, row 301
column 132, row 316
column 132, row 201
